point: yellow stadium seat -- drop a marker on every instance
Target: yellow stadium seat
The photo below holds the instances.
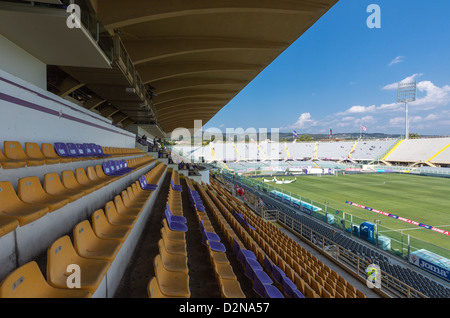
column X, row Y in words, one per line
column 136, row 198
column 123, row 210
column 69, row 181
column 153, row 290
column 218, row 257
column 7, row 224
column 130, row 203
column 117, row 219
column 172, row 284
column 172, row 262
column 27, row 281
column 12, row 206
column 49, row 152
column 171, row 234
column 92, row 175
column 61, row 254
column 82, row 178
column 224, row 271
column 11, row 163
column 88, row 245
column 54, row 186
column 31, row 191
column 101, row 174
column 360, row 294
column 230, row 288
column 33, row 151
column 14, row 150
column 103, row 229
column 140, row 191
column 172, row 246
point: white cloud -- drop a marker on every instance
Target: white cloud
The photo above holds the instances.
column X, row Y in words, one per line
column 360, row 109
column 304, row 121
column 398, row 59
column 392, row 107
column 394, row 86
column 428, row 113
column 367, row 119
column 397, row 121
column 434, row 96
column 431, row 117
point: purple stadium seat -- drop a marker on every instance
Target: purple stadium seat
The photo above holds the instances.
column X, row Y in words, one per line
column 290, row 289
column 145, row 185
column 176, row 218
column 208, row 236
column 216, row 246
column 61, row 149
column 73, row 150
column 278, row 274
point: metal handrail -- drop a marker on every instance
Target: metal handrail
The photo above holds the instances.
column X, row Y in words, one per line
column 352, row 261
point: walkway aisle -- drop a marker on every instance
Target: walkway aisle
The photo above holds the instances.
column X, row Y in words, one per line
column 202, row 281
column 140, row 269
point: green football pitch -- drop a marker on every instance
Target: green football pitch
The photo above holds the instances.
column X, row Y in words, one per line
column 419, row 198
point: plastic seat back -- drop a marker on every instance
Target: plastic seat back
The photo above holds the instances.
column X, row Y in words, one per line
column 106, row 168
column 30, row 189
column 8, row 196
column 61, row 149
column 122, row 208
column 83, row 237
column 14, row 150
column 100, row 151
column 33, row 151
column 87, row 244
column 81, row 150
column 60, row 254
column 81, row 176
column 53, row 183
column 126, row 199
column 73, row 150
column 27, row 281
column 92, row 174
column 101, row 225
column 114, row 217
column 68, row 179
column 176, row 284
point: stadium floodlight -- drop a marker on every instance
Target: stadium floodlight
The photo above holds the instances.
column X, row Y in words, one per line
column 406, row 93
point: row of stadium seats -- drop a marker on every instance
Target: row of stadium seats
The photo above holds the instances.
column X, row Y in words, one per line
column 225, row 276
column 266, row 285
column 34, row 199
column 171, row 264
column 15, row 156
column 96, row 245
column 251, row 258
column 291, row 257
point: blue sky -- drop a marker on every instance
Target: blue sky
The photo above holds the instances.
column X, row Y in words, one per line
column 340, row 73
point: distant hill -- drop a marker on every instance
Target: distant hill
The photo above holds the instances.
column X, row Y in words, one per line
column 289, row 137
column 341, row 136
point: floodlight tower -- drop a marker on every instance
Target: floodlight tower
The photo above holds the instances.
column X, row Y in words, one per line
column 406, row 94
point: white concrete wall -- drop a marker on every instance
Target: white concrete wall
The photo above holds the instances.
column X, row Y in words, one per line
column 29, row 113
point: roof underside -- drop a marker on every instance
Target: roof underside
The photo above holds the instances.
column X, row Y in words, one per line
column 198, row 54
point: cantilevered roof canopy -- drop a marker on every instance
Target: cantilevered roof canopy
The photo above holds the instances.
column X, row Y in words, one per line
column 198, row 54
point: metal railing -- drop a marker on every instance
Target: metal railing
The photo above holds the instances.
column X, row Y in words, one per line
column 114, row 49
column 353, row 262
